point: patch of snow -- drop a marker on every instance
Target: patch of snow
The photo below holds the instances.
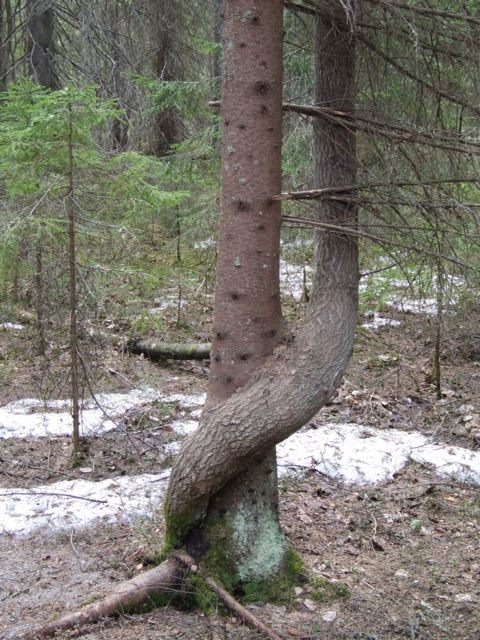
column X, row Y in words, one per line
column 11, row 325
column 375, row 321
column 33, row 418
column 73, row 504
column 450, row 461
column 185, row 427
column 204, row 244
column 363, row 455
column 166, row 302
column 351, row 453
column 292, row 279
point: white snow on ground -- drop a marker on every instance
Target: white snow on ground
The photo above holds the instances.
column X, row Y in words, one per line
column 363, row 455
column 376, row 320
column 166, row 302
column 292, row 279
column 31, row 418
column 73, row 504
column 350, row 453
column 11, row 325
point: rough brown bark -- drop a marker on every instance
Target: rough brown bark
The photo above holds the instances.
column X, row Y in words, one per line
column 292, row 385
column 41, row 42
column 248, row 320
column 164, row 127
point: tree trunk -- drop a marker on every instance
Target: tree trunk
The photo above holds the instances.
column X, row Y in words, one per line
column 163, row 128
column 226, row 471
column 73, row 301
column 218, row 54
column 40, row 15
column 243, row 516
column 3, row 50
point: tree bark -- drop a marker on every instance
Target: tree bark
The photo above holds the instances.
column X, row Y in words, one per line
column 164, row 127
column 41, row 48
column 291, row 386
column 248, row 320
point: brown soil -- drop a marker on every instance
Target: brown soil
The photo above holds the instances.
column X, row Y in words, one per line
column 400, row 560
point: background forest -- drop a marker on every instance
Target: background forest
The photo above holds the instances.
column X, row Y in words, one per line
column 109, row 202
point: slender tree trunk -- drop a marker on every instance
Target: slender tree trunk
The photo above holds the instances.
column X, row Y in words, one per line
column 40, row 28
column 73, row 326
column 164, row 127
column 218, row 54
column 335, row 153
column 3, row 49
column 41, row 50
column 119, row 126
column 40, row 296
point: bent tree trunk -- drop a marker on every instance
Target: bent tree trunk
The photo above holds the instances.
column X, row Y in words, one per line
column 222, row 492
column 219, row 483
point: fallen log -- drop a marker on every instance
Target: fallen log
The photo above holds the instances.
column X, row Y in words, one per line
column 173, row 350
column 130, row 595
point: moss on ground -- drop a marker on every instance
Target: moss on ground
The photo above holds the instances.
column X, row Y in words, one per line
column 326, row 591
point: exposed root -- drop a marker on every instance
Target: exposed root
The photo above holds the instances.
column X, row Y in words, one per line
column 234, row 605
column 127, row 596
column 133, row 594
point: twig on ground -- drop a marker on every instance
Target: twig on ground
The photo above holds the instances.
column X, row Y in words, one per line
column 50, row 493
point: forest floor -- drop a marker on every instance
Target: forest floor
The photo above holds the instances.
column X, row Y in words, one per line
column 395, row 559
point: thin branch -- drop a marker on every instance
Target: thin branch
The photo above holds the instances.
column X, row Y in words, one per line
column 326, row 191
column 382, row 241
column 427, row 12
column 50, row 493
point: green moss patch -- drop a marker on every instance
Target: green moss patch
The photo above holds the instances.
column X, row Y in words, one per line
column 326, row 591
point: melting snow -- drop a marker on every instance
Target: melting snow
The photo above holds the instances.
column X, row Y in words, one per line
column 351, row 453
column 292, row 279
column 36, row 418
column 364, row 455
column 11, row 325
column 375, row 321
column 73, row 504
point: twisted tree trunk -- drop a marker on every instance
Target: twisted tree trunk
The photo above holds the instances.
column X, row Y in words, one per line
column 226, row 470
column 219, row 490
